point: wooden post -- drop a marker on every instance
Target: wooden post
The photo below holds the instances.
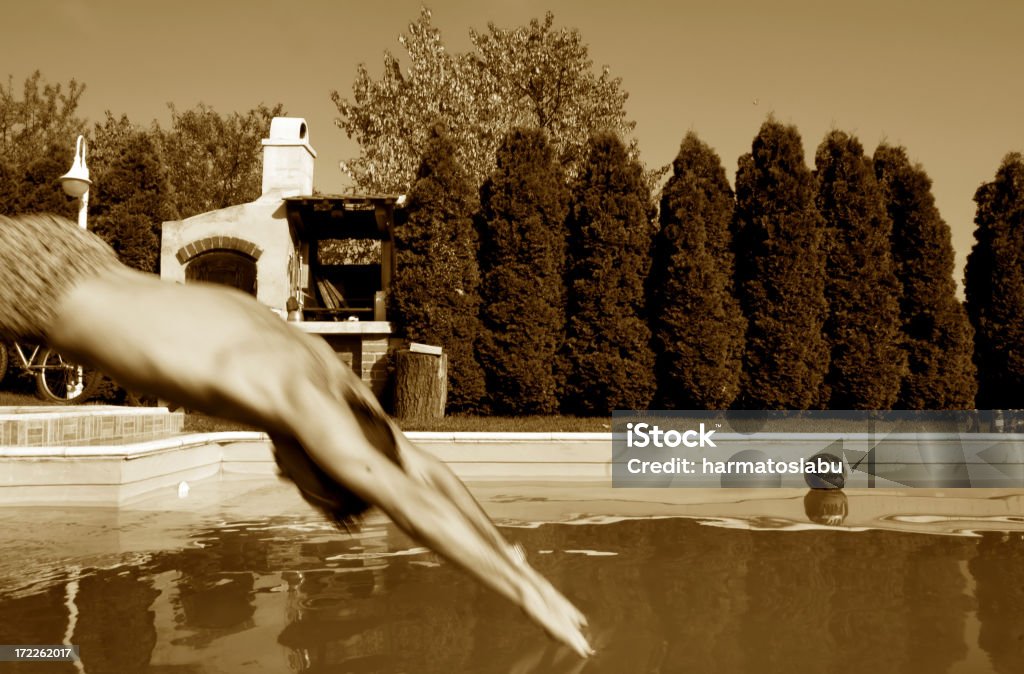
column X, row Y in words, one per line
column 421, row 385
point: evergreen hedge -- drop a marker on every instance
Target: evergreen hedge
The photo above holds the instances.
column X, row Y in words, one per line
column 937, row 335
column 995, row 287
column 524, row 204
column 862, row 329
column 607, row 348
column 435, row 296
column 780, row 273
column 697, row 325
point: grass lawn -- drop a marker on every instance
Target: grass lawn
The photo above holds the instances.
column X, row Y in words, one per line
column 16, row 395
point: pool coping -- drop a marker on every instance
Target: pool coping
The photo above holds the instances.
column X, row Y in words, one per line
column 116, row 473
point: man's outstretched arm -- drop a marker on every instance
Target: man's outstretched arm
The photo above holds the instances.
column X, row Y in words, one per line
column 429, row 515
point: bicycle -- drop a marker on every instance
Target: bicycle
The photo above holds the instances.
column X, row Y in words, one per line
column 58, row 380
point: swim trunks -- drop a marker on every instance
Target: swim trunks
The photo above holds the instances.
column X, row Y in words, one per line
column 42, row 257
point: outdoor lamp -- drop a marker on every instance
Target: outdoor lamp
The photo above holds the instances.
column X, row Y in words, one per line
column 76, row 182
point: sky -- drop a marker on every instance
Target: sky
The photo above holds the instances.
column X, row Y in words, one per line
column 944, row 78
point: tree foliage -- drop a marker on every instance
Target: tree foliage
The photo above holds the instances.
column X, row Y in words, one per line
column 995, row 287
column 780, row 273
column 937, row 336
column 522, row 263
column 862, row 330
column 436, row 290
column 535, row 75
column 38, row 129
column 44, row 117
column 697, row 324
column 129, row 199
column 215, row 160
column 609, row 361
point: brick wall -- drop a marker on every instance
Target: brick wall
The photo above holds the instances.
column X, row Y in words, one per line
column 367, row 354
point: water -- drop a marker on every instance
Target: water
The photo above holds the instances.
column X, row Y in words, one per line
column 215, row 587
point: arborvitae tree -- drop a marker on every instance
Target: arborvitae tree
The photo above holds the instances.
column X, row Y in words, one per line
column 780, row 273
column 436, row 293
column 607, row 348
column 995, row 287
column 862, row 330
column 697, row 324
column 522, row 265
column 937, row 336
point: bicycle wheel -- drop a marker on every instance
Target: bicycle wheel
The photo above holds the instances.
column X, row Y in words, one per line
column 62, row 382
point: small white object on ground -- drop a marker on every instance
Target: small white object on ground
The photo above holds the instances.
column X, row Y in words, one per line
column 183, row 489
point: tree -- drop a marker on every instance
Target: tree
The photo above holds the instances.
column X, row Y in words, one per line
column 522, row 263
column 937, row 336
column 698, row 327
column 37, row 144
column 533, row 75
column 780, row 273
column 45, row 117
column 436, row 290
column 862, row 330
column 995, row 287
column 33, row 187
column 214, row 161
column 130, row 197
column 609, row 361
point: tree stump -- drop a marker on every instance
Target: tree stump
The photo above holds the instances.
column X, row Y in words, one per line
column 421, row 385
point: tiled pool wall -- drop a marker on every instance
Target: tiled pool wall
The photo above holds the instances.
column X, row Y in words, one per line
column 85, row 425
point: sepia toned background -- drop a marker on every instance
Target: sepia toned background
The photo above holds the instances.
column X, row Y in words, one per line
column 941, row 78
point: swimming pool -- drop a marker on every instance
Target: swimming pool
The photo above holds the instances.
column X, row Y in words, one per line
column 241, row 576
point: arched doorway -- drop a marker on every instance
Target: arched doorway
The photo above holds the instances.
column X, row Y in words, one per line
column 226, row 267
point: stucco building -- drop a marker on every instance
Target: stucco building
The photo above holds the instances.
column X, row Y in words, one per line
column 324, row 262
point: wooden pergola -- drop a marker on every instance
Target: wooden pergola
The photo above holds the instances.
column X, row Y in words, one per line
column 314, row 219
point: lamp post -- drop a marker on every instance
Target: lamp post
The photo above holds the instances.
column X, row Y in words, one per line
column 76, row 182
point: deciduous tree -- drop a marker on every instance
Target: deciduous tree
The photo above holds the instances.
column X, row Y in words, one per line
column 129, row 199
column 38, row 129
column 215, row 160
column 45, row 116
column 535, row 75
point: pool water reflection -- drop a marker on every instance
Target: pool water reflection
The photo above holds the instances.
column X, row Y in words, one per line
column 287, row 594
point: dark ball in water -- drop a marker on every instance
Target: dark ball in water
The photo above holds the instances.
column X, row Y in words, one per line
column 828, row 507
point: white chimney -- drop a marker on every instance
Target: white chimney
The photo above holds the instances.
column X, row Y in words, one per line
column 288, row 159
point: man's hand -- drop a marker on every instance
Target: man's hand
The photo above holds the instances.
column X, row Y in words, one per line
column 560, row 619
